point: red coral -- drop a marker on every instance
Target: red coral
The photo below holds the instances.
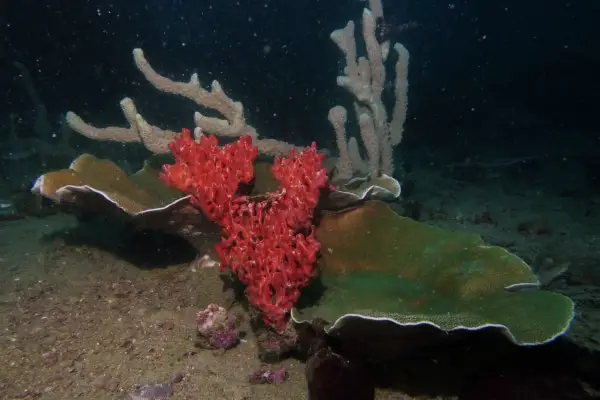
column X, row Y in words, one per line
column 269, row 244
column 210, row 174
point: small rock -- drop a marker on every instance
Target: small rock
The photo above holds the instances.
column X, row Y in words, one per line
column 161, row 391
column 168, row 325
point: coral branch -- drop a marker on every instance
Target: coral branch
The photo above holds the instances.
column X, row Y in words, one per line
column 233, row 125
column 152, row 137
column 155, row 139
column 365, row 79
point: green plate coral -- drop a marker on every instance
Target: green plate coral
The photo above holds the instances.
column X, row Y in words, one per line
column 382, row 273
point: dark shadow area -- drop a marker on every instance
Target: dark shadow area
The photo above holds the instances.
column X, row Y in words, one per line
column 485, row 365
column 482, row 365
column 311, row 294
column 145, row 249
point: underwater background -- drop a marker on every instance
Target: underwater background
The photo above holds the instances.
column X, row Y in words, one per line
column 450, row 223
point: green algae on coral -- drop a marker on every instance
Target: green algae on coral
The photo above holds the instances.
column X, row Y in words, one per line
column 379, row 266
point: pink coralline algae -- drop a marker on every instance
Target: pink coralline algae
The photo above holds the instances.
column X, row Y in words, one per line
column 216, row 328
column 267, row 375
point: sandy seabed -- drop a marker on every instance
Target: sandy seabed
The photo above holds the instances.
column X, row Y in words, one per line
column 80, row 322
